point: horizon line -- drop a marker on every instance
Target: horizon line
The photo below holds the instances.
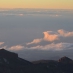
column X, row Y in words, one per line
column 38, row 8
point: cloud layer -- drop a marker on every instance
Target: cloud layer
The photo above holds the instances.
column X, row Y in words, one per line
column 53, row 46
column 52, row 39
column 48, row 46
column 52, row 36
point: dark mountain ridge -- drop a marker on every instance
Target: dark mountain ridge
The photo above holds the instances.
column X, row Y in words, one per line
column 11, row 63
column 65, row 60
column 11, row 58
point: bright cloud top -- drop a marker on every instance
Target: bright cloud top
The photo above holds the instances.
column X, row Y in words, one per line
column 16, row 47
column 65, row 33
column 52, row 36
column 35, row 41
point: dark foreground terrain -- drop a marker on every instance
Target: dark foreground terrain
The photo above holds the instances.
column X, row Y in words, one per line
column 11, row 63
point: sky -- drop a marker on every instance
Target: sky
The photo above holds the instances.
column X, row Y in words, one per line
column 37, row 33
column 46, row 4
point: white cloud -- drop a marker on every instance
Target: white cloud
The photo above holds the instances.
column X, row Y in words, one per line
column 65, row 33
column 35, row 41
column 16, row 47
column 1, row 43
column 50, row 37
column 53, row 46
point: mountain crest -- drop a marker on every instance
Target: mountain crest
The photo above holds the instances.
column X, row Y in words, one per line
column 65, row 60
column 7, row 54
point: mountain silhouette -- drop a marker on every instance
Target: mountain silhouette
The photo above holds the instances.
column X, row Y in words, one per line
column 11, row 63
column 11, row 58
column 65, row 60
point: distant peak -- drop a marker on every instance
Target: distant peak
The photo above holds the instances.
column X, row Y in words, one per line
column 65, row 59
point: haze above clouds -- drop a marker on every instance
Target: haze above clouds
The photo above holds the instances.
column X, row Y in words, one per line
column 37, row 33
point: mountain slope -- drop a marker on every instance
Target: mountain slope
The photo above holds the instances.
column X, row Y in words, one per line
column 11, row 63
column 11, row 58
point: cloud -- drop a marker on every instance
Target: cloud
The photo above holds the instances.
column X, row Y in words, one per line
column 65, row 33
column 55, row 15
column 12, row 14
column 50, row 37
column 1, row 43
column 4, row 47
column 17, row 47
column 53, row 46
column 35, row 41
column 52, row 40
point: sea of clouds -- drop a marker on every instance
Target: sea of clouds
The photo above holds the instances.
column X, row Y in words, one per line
column 37, row 33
